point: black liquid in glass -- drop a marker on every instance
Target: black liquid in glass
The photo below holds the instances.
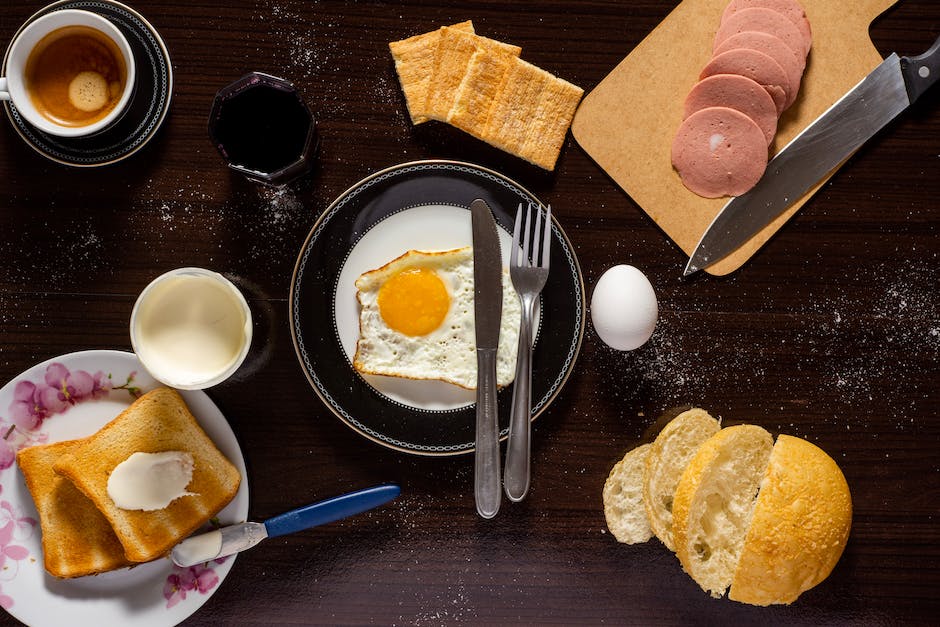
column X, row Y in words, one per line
column 263, row 128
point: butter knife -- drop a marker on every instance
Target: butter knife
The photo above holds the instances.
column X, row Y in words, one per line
column 488, row 310
column 831, row 139
column 236, row 538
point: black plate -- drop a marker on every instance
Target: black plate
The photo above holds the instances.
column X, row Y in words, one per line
column 314, row 286
column 145, row 112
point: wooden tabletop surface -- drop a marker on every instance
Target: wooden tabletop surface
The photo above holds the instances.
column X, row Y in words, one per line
column 831, row 332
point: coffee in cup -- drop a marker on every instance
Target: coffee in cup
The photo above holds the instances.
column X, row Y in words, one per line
column 75, row 76
column 69, row 73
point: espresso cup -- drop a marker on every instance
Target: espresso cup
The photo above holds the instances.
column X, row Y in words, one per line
column 69, row 73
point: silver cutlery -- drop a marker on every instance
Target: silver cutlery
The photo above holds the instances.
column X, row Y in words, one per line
column 488, row 311
column 528, row 269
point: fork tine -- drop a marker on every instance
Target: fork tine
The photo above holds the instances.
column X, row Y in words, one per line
column 514, row 249
column 547, row 237
column 537, row 243
column 527, row 228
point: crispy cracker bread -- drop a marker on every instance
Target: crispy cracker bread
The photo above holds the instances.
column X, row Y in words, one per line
column 414, row 63
column 158, row 421
column 77, row 539
column 482, row 81
column 531, row 114
column 454, row 51
column 549, row 124
column 515, row 103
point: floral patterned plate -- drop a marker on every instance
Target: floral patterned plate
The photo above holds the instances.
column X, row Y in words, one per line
column 69, row 397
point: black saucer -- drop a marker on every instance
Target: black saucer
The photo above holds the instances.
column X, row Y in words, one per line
column 146, row 111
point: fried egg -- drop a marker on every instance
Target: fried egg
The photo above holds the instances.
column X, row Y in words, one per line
column 416, row 320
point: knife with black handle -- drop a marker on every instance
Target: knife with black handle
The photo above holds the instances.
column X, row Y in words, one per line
column 831, row 139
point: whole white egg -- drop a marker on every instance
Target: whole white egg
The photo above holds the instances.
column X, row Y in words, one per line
column 623, row 308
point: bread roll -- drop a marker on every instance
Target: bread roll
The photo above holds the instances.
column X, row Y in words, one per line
column 623, row 498
column 714, row 502
column 799, row 528
column 669, row 454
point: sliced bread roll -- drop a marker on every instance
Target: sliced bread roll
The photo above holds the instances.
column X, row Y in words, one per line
column 669, row 454
column 799, row 527
column 714, row 502
column 623, row 498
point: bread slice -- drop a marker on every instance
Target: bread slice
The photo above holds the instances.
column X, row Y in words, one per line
column 672, row 450
column 414, row 63
column 158, row 421
column 77, row 539
column 714, row 502
column 623, row 498
column 799, row 528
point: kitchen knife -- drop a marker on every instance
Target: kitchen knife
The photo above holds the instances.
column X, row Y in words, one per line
column 487, row 310
column 236, row 538
column 831, row 139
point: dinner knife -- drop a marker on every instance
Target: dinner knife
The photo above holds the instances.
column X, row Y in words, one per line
column 831, row 139
column 236, row 538
column 487, row 313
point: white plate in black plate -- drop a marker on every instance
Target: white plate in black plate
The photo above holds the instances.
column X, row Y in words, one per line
column 146, row 110
column 422, row 206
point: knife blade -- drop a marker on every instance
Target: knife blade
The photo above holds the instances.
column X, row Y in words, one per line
column 487, row 314
column 828, row 141
column 236, row 538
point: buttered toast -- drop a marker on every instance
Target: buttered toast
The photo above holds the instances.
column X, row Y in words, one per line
column 157, row 422
column 77, row 539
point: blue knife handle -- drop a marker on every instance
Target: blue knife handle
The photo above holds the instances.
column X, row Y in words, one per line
column 330, row 510
column 921, row 72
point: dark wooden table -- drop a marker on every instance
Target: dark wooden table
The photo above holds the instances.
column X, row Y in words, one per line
column 831, row 332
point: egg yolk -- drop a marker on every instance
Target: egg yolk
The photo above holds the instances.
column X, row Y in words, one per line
column 414, row 301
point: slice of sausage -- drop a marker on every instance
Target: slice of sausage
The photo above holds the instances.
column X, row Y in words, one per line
column 789, row 8
column 755, row 65
column 735, row 92
column 792, row 63
column 765, row 21
column 719, row 152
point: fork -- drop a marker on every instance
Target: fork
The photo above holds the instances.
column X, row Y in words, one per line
column 528, row 269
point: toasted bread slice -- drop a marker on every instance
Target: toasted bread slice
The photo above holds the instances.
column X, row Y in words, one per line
column 799, row 528
column 158, row 421
column 414, row 63
column 672, row 450
column 77, row 539
column 455, row 48
column 714, row 502
column 623, row 498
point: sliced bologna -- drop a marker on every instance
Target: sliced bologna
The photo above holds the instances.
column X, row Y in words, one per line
column 735, row 92
column 765, row 21
column 791, row 9
column 756, row 66
column 719, row 152
column 792, row 63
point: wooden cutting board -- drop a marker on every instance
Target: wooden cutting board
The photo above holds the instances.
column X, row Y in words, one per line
column 626, row 124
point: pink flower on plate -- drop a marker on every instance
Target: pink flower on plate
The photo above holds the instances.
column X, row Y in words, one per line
column 200, row 578
column 10, row 524
column 13, row 438
column 6, row 602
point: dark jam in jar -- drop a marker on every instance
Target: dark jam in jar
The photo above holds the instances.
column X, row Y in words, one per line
column 263, row 129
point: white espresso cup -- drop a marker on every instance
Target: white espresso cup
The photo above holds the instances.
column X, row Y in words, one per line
column 15, row 85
